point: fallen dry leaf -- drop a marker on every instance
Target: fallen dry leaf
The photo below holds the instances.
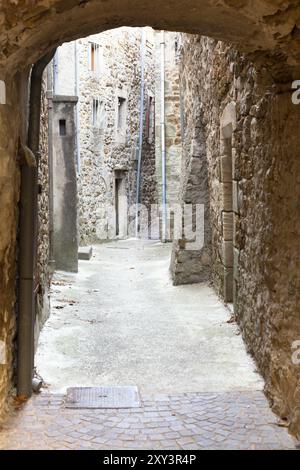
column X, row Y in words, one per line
column 232, row 319
column 19, row 401
column 283, row 423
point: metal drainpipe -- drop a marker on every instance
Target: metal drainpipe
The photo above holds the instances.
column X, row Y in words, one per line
column 55, row 72
column 28, row 236
column 140, row 148
column 50, row 85
column 77, row 91
column 163, row 140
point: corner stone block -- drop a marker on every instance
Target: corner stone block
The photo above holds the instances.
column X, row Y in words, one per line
column 227, row 254
column 197, row 148
column 228, row 285
column 226, row 169
column 236, row 256
column 235, row 197
column 225, row 146
column 235, row 224
column 235, row 292
column 227, row 225
column 226, row 195
column 234, row 164
column 228, row 120
column 85, row 253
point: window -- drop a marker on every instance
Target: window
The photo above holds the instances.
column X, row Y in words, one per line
column 121, row 118
column 62, row 127
column 97, row 113
column 177, row 48
column 149, row 49
column 150, row 119
column 95, row 57
column 121, row 113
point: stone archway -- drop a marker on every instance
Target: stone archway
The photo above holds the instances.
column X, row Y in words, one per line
column 267, row 31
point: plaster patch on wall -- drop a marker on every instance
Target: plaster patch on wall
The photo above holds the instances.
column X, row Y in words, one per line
column 2, row 92
column 2, row 353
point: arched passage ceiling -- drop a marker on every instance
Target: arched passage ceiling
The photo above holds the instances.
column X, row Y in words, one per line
column 269, row 29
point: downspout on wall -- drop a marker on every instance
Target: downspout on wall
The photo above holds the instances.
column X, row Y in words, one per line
column 141, row 129
column 163, row 139
column 50, row 163
column 77, row 91
column 28, row 234
column 55, row 72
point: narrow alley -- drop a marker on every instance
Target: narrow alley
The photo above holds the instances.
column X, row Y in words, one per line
column 150, row 225
column 197, row 385
column 120, row 321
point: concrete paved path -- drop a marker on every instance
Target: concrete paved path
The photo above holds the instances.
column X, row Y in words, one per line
column 120, row 321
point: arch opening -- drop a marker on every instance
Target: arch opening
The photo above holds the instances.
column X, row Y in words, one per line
column 255, row 27
column 263, row 279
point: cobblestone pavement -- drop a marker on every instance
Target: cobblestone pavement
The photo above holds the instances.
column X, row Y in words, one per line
column 231, row 420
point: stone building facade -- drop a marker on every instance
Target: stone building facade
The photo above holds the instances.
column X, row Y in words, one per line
column 110, row 93
column 105, row 71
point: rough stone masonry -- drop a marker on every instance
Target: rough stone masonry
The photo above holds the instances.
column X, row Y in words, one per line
column 247, row 125
column 261, row 139
column 108, row 151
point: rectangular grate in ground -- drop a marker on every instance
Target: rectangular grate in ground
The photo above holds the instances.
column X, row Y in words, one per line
column 103, row 397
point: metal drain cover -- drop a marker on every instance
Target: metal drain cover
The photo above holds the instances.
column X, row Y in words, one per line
column 102, row 397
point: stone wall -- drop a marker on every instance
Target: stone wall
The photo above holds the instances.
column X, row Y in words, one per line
column 107, row 152
column 171, row 118
column 11, row 132
column 268, row 287
column 43, row 272
column 148, row 168
column 64, row 183
column 190, row 263
column 251, row 147
column 16, row 98
column 109, row 77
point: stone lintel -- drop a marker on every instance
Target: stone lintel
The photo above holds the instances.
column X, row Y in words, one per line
column 65, row 99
